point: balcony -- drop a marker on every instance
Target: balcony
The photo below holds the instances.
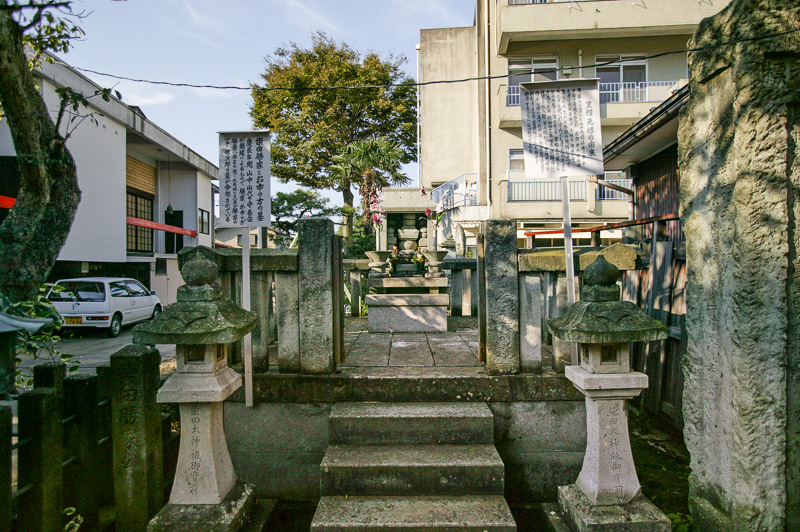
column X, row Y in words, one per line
column 622, row 103
column 459, row 192
column 550, row 190
column 537, row 20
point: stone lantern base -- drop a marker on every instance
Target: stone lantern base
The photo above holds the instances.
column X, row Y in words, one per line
column 241, row 511
column 575, row 513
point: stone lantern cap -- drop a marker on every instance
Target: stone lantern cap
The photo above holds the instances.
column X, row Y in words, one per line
column 600, row 317
column 202, row 315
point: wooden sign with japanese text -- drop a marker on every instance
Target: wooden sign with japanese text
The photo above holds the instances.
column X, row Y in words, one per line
column 244, row 174
column 561, row 128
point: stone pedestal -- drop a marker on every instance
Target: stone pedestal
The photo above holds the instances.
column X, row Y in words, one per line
column 238, row 510
column 408, row 234
column 639, row 515
column 407, row 312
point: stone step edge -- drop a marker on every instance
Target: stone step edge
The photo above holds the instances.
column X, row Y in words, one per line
column 367, row 513
column 400, row 450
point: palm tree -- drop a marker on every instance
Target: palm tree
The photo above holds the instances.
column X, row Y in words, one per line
column 370, row 164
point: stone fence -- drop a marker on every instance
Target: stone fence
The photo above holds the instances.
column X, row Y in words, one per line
column 522, row 289
column 298, row 296
column 98, row 443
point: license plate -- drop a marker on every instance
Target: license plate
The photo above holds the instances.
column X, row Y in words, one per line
column 73, row 321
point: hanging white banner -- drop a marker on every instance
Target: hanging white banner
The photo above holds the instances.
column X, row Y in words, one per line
column 244, row 174
column 561, row 128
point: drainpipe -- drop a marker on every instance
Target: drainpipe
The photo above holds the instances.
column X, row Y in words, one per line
column 489, row 103
column 419, row 127
column 580, row 62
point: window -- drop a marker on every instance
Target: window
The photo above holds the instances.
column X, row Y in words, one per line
column 79, row 291
column 161, row 266
column 118, row 289
column 140, row 239
column 526, row 70
column 204, row 222
column 136, row 289
column 623, row 78
column 516, row 161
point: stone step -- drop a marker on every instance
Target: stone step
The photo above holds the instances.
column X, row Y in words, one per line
column 411, row 470
column 488, row 513
column 394, row 423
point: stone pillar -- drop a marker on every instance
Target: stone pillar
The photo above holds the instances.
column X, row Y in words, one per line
column 39, row 461
column 6, row 510
column 740, row 176
column 355, row 292
column 531, row 301
column 288, row 325
column 136, row 430
column 315, row 275
column 8, row 363
column 502, row 297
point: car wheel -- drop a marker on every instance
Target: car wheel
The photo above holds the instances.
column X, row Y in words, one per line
column 156, row 312
column 115, row 327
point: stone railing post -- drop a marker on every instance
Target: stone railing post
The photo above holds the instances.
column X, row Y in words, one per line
column 136, row 433
column 317, row 300
column 82, row 481
column 502, row 297
column 5, row 467
column 39, row 461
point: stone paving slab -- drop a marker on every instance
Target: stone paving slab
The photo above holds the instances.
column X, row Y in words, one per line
column 406, row 354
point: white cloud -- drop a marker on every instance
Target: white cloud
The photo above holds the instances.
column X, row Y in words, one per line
column 136, row 94
column 303, row 16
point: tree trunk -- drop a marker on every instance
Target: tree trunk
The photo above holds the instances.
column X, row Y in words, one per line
column 347, row 219
column 37, row 226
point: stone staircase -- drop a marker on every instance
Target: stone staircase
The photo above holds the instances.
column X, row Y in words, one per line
column 412, row 467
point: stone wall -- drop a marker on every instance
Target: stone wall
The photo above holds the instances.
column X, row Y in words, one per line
column 738, row 144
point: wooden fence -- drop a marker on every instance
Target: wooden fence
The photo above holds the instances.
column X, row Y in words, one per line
column 97, row 443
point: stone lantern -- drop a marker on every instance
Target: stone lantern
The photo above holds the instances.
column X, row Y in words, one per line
column 203, row 324
column 607, row 494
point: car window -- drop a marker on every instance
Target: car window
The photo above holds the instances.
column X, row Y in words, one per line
column 79, row 291
column 118, row 289
column 136, row 289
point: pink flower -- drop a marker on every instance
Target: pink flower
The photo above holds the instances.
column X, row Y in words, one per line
column 422, row 190
column 439, row 208
column 427, row 212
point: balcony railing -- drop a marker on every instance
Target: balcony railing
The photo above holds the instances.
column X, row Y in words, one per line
column 458, row 192
column 545, row 190
column 526, row 2
column 550, row 190
column 645, row 91
column 605, row 193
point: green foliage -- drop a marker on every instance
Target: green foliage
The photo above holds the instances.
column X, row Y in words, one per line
column 370, row 164
column 74, row 523
column 363, row 240
column 312, row 126
column 681, row 521
column 289, row 208
column 42, row 344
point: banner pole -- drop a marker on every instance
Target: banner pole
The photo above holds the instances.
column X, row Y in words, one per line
column 248, row 339
column 569, row 256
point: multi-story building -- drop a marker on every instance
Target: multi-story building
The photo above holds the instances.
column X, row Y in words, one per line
column 144, row 193
column 471, row 151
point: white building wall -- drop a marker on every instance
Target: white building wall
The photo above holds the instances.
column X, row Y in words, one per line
column 205, row 202
column 98, row 233
column 6, row 144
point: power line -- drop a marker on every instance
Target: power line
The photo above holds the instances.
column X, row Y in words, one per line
column 438, row 82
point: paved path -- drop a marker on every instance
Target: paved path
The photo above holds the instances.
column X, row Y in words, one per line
column 94, row 348
column 456, row 348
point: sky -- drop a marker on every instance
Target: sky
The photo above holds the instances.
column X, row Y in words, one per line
column 224, row 42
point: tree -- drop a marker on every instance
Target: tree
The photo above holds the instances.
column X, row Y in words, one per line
column 316, row 118
column 290, row 208
column 37, row 226
column 371, row 165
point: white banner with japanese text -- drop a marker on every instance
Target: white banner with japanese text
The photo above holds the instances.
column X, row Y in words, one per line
column 244, row 175
column 561, row 128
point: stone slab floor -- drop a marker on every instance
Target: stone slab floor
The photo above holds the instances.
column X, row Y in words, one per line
column 458, row 347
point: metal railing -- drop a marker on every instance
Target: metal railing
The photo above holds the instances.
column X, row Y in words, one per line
column 605, row 193
column 644, row 91
column 545, row 190
column 457, row 192
column 526, row 2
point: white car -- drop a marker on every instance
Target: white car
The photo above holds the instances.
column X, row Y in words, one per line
column 104, row 302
